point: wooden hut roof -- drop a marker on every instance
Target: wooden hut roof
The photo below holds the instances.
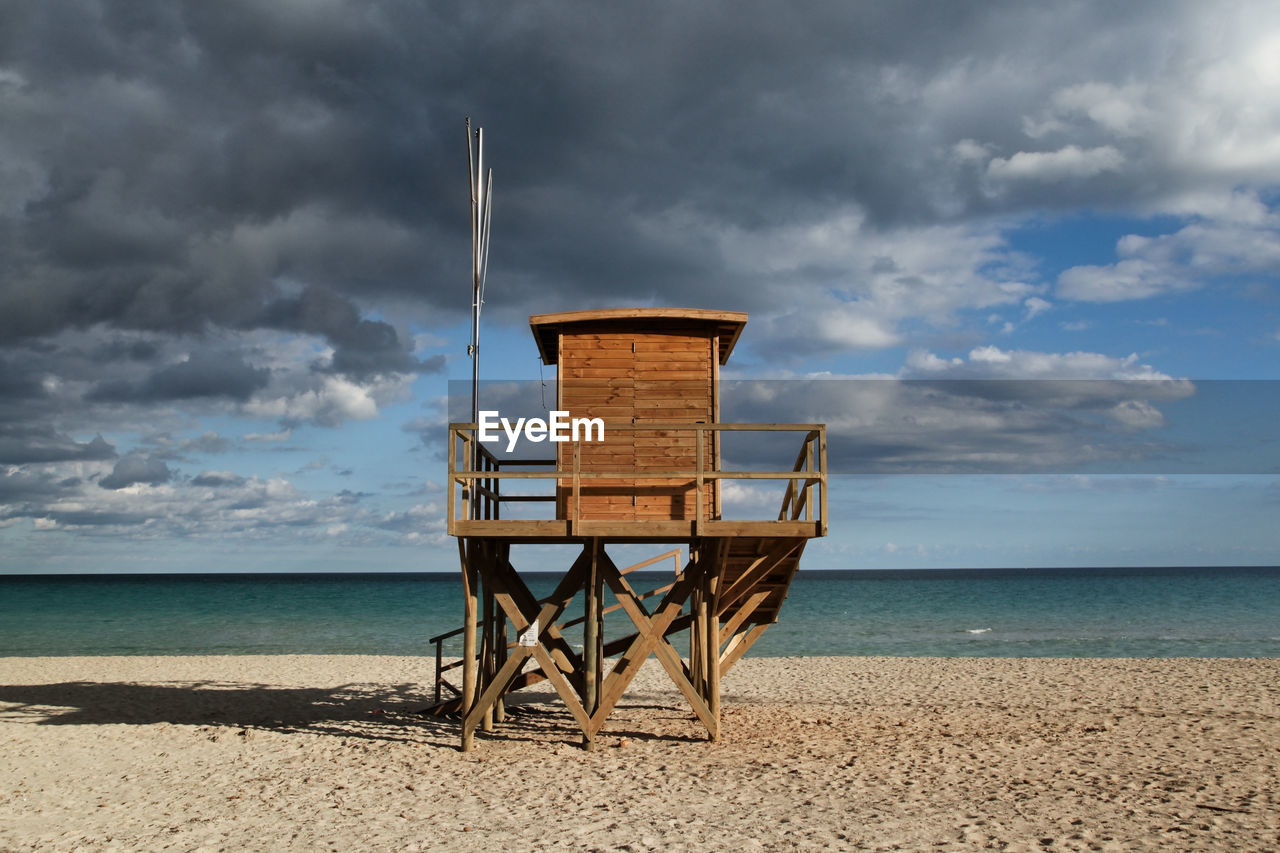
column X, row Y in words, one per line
column 727, row 324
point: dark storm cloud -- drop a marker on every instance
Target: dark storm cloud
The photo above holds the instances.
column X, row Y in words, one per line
column 361, row 347
column 202, row 375
column 19, row 486
column 14, row 385
column 24, row 444
column 134, row 469
column 175, row 163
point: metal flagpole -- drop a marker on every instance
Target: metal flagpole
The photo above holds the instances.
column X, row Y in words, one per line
column 481, row 197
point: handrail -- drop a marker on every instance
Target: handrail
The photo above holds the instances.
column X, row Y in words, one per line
column 482, row 496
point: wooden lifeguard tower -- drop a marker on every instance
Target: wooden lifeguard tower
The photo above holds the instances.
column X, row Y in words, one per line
column 652, row 375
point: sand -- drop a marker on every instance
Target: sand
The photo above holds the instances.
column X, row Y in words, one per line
column 316, row 752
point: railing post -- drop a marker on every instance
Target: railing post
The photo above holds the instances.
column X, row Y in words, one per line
column 810, row 461
column 822, row 464
column 451, row 505
column 697, row 515
column 488, row 486
column 577, row 487
column 439, row 667
column 469, row 482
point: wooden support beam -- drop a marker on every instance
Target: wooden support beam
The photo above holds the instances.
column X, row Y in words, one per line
column 695, row 625
column 652, row 631
column 470, row 580
column 567, row 694
column 487, row 654
column 492, row 693
column 592, row 627
column 738, row 646
column 516, row 601
column 757, row 571
column 500, row 647
column 742, row 614
column 713, row 575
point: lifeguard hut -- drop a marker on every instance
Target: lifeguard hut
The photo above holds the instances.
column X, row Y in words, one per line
column 652, row 376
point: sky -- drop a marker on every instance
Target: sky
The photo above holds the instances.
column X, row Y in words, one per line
column 235, row 264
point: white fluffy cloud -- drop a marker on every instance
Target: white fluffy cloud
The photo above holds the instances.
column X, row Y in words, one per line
column 1183, row 260
column 991, row 362
column 842, row 284
column 1049, row 166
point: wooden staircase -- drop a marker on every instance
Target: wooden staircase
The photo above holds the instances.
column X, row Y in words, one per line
column 759, row 570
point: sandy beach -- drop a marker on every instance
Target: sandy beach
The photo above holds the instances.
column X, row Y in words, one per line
column 319, row 752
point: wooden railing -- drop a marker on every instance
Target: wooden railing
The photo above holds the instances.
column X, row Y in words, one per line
column 476, row 475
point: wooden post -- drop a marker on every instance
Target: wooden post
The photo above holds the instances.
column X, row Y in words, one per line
column 470, row 580
column 591, row 650
column 698, row 629
column 439, row 667
column 469, row 485
column 822, row 466
column 487, row 653
column 450, row 508
column 704, row 632
column 577, row 486
column 811, row 464
column 500, row 648
column 715, row 419
column 713, row 638
column 693, row 620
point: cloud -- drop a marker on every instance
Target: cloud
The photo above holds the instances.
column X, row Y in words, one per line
column 361, row 347
column 995, row 411
column 1184, row 260
column 329, row 400
column 217, row 181
column 208, row 442
column 218, row 479
column 204, row 374
column 24, row 444
column 136, row 469
column 1050, row 166
column 229, row 211
column 1035, row 306
column 991, row 362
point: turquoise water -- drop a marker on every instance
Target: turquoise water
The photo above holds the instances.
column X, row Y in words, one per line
column 1201, row 612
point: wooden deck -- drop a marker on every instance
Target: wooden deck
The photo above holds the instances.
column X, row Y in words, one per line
column 564, row 531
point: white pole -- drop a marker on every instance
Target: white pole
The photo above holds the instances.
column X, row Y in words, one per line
column 481, row 198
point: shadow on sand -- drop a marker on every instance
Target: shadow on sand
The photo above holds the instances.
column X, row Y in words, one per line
column 374, row 712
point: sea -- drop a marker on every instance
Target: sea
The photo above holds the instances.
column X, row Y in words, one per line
column 1095, row 612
